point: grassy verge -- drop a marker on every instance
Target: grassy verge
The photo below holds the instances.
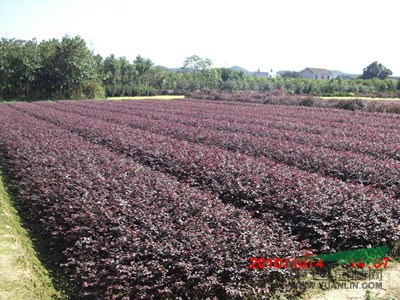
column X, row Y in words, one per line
column 22, row 276
column 163, row 97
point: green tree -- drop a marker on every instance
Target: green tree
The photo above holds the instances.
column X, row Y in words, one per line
column 158, row 78
column 125, row 72
column 290, row 74
column 75, row 64
column 9, row 51
column 19, row 64
column 131, row 74
column 48, row 80
column 176, row 82
column 99, row 63
column 229, row 74
column 66, row 66
column 196, row 64
column 196, row 70
column 110, row 75
column 142, row 67
column 211, row 78
column 376, row 70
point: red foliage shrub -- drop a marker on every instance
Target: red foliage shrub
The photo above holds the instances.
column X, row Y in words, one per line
column 147, row 199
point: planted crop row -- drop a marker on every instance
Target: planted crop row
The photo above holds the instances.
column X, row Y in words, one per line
column 271, row 129
column 296, row 114
column 122, row 231
column 330, row 130
column 344, row 165
column 330, row 213
column 303, row 113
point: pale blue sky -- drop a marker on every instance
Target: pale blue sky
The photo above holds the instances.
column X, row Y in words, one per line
column 346, row 35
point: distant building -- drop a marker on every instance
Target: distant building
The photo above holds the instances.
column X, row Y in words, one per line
column 314, row 73
column 264, row 74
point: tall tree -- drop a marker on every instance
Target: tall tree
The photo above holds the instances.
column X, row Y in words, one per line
column 130, row 76
column 157, row 78
column 76, row 64
column 19, row 64
column 197, row 71
column 196, row 64
column 124, row 72
column 48, row 80
column 66, row 66
column 376, row 70
column 230, row 74
column 99, row 63
column 142, row 67
column 211, row 78
column 9, row 51
column 110, row 74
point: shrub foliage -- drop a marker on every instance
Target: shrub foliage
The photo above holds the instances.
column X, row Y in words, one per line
column 142, row 200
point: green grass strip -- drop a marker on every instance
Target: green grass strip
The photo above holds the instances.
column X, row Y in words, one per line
column 22, row 276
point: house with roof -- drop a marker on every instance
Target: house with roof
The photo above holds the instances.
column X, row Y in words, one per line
column 315, row 73
column 270, row 74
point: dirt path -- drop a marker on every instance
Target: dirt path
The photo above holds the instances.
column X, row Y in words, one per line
column 21, row 274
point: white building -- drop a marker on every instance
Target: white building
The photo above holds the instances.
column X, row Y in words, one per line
column 270, row 74
column 315, row 73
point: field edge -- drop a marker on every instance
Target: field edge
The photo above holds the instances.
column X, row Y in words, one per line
column 22, row 275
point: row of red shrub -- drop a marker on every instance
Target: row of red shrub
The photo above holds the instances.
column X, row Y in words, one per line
column 307, row 202
column 122, row 231
column 308, row 101
column 376, row 138
column 371, row 127
column 344, row 165
column 140, row 203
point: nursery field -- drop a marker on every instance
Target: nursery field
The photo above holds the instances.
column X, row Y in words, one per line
column 168, row 199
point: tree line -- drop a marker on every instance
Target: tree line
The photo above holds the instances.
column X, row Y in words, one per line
column 68, row 69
